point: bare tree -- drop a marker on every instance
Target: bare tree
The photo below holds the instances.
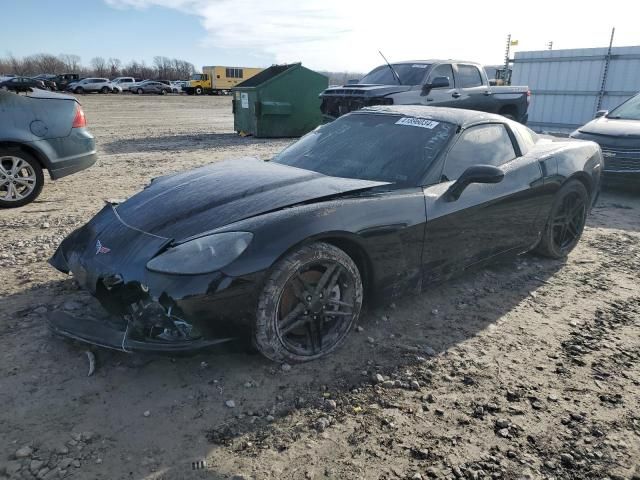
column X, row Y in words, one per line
column 114, row 66
column 71, row 62
column 99, row 65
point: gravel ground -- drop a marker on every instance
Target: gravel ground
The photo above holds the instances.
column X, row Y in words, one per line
column 528, row 369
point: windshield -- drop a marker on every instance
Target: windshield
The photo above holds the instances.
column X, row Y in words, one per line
column 409, row 73
column 197, row 76
column 629, row 110
column 385, row 148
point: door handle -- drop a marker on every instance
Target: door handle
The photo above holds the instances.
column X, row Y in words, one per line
column 456, row 95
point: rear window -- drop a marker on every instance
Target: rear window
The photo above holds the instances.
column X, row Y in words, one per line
column 526, row 137
column 387, row 148
column 468, row 76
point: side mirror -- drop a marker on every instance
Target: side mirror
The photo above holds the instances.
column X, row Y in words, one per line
column 438, row 82
column 601, row 113
column 473, row 174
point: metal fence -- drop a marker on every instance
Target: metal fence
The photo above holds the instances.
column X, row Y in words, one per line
column 567, row 85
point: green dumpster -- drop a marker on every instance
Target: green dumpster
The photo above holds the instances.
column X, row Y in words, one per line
column 280, row 101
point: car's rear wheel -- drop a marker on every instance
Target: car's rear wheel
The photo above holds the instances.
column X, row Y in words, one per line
column 21, row 178
column 566, row 221
column 104, row 90
column 140, row 91
column 163, row 92
column 78, row 90
column 309, row 303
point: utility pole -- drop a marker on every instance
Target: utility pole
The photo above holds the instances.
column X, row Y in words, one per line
column 506, row 59
column 605, row 71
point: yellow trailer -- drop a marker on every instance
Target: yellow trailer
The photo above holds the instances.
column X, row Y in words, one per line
column 215, row 80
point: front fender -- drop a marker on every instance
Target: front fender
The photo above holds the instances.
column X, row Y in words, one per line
column 387, row 227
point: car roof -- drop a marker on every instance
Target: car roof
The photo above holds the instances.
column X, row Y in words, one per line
column 457, row 116
column 436, row 60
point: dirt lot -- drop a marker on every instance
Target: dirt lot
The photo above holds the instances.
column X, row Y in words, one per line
column 529, row 369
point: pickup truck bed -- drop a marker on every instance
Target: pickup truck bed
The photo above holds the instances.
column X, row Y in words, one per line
column 422, row 82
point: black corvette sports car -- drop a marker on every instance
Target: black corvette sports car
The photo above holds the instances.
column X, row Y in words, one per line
column 380, row 202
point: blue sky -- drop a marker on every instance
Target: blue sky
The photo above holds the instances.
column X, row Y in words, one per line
column 341, row 35
column 90, row 28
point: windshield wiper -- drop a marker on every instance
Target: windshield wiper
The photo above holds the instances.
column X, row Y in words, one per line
column 395, row 74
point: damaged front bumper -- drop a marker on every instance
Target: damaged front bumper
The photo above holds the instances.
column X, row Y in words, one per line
column 149, row 311
column 111, row 335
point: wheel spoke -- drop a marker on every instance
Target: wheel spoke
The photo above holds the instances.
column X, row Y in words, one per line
column 325, row 278
column 333, row 301
column 293, row 320
column 314, row 335
column 337, row 314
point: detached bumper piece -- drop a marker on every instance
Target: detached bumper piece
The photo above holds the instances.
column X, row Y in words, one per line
column 111, row 336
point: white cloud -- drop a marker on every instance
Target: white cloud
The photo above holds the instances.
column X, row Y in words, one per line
column 346, row 34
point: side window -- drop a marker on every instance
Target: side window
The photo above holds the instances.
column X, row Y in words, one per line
column 443, row 70
column 481, row 145
column 469, row 76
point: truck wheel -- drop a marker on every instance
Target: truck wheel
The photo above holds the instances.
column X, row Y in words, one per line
column 310, row 301
column 198, row 91
column 21, row 178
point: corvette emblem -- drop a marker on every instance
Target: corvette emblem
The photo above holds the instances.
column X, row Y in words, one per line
column 101, row 248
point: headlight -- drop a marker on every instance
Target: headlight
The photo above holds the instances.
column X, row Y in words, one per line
column 202, row 255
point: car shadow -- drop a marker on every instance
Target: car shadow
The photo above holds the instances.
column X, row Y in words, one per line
column 185, row 142
column 145, row 400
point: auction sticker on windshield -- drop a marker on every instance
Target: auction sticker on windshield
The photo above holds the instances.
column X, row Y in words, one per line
column 417, row 122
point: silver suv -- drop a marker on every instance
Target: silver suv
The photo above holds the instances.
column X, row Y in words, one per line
column 102, row 85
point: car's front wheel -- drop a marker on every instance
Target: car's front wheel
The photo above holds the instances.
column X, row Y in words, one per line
column 21, row 178
column 104, row 90
column 78, row 90
column 309, row 303
column 140, row 91
column 566, row 221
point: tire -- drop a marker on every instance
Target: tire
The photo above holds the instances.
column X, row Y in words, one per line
column 78, row 91
column 140, row 91
column 163, row 92
column 104, row 90
column 17, row 164
column 198, row 91
column 566, row 221
column 294, row 285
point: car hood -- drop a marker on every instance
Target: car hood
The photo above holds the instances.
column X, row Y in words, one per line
column 365, row 90
column 194, row 202
column 612, row 127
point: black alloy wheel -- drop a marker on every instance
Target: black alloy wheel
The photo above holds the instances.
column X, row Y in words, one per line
column 566, row 221
column 309, row 304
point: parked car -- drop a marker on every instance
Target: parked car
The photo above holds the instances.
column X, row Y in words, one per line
column 48, row 81
column 176, row 86
column 151, row 87
column 64, row 79
column 618, row 134
column 380, row 202
column 21, row 84
column 124, row 82
column 40, row 131
column 87, row 85
column 442, row 83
